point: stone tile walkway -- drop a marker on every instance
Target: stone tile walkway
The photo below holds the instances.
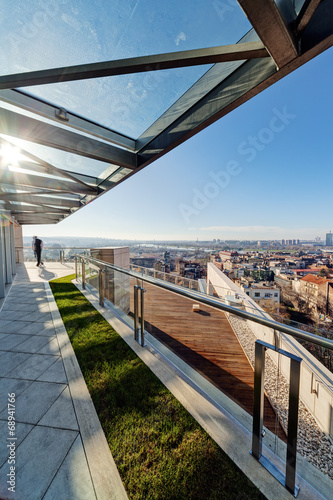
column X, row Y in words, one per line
column 58, row 448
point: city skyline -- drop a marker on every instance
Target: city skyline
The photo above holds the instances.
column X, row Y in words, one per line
column 258, row 173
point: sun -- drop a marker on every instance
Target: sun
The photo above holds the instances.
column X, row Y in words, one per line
column 9, row 155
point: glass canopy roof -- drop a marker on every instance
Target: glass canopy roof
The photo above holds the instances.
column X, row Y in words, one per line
column 91, row 92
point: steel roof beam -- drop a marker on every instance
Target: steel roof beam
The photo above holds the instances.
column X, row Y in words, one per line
column 44, row 217
column 274, row 30
column 244, row 83
column 27, row 128
column 41, row 200
column 51, row 111
column 25, row 209
column 127, row 66
column 308, row 9
column 44, row 166
column 18, row 179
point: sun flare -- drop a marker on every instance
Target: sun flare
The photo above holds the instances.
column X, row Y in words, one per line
column 9, row 155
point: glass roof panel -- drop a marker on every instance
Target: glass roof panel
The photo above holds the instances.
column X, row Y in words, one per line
column 63, row 159
column 43, row 34
column 127, row 103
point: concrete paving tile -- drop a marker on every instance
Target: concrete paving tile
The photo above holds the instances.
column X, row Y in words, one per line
column 4, row 322
column 61, row 414
column 56, row 373
column 9, row 314
column 45, row 318
column 35, row 401
column 13, row 326
column 49, row 331
column 31, row 344
column 11, row 360
column 46, row 324
column 37, row 315
column 51, row 347
column 18, row 307
column 39, row 457
column 9, row 307
column 73, row 479
column 21, row 431
column 33, row 367
column 9, row 386
column 11, row 341
column 3, row 335
column 31, row 329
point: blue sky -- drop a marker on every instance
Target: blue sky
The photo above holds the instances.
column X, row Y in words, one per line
column 262, row 172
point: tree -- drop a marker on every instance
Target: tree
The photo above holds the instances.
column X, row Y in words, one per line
column 323, row 273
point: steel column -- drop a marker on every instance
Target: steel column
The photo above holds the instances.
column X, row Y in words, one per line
column 258, row 404
column 142, row 337
column 258, row 413
column 295, row 368
column 136, row 312
column 83, row 274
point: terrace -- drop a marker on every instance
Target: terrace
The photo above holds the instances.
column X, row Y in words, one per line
column 54, row 161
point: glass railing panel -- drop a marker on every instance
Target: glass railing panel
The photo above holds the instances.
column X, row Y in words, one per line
column 92, row 275
column 314, row 434
column 117, row 290
column 54, row 254
column 203, row 337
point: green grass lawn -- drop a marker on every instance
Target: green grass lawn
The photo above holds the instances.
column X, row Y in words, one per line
column 160, row 450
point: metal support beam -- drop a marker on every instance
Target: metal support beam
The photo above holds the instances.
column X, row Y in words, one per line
column 19, row 179
column 307, row 11
column 274, row 31
column 49, row 111
column 245, row 82
column 170, row 60
column 27, row 128
column 41, row 200
column 223, row 98
column 18, row 208
column 43, row 166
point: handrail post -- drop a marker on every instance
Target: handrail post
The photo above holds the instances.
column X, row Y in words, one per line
column 258, row 413
column 258, row 402
column 83, row 274
column 295, row 369
column 142, row 290
column 101, row 286
column 136, row 312
column 76, row 275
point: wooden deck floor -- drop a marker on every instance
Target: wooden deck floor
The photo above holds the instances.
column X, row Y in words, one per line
column 207, row 342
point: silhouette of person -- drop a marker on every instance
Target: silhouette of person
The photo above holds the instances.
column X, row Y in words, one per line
column 37, row 245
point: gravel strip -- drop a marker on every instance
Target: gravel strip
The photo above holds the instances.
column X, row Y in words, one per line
column 312, row 443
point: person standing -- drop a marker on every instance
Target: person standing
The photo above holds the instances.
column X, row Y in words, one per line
column 37, row 245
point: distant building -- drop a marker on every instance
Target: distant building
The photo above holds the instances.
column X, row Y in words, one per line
column 329, row 239
column 317, row 293
column 225, row 255
column 264, row 295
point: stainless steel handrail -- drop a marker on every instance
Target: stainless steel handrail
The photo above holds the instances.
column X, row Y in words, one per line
column 212, row 302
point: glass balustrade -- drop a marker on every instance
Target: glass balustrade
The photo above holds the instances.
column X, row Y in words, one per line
column 273, row 377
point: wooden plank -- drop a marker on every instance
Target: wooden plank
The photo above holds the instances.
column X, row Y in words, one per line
column 207, row 342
